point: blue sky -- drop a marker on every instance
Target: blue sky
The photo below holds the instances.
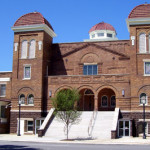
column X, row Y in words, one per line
column 71, row 20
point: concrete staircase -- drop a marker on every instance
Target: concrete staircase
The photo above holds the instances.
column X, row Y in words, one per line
column 80, row 130
column 103, row 125
column 100, row 129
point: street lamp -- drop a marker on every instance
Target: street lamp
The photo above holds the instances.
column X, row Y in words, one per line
column 19, row 119
column 144, row 123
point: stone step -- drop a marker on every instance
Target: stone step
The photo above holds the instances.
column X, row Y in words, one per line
column 101, row 127
column 76, row 131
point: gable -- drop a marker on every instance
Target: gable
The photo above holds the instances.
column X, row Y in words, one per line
column 64, row 50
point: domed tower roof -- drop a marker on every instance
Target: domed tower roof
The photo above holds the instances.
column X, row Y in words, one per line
column 32, row 19
column 33, row 22
column 102, row 26
column 140, row 11
column 102, row 32
column 140, row 15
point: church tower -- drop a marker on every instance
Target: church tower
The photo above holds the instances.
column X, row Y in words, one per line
column 33, row 36
column 138, row 23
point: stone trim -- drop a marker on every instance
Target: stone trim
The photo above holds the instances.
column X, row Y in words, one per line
column 26, row 111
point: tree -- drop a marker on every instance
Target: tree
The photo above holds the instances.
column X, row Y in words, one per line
column 65, row 103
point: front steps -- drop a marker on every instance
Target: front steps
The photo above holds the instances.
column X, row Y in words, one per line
column 100, row 128
column 103, row 125
column 56, row 128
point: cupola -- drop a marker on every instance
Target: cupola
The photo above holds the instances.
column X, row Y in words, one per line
column 102, row 32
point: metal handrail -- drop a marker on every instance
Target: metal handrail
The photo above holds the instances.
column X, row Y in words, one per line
column 91, row 124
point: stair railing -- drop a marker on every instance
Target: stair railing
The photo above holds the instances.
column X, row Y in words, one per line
column 114, row 124
column 92, row 122
column 46, row 122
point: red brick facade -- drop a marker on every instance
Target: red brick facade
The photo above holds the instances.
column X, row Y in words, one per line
column 58, row 66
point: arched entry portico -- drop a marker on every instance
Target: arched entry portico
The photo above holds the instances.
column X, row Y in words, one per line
column 106, row 100
column 86, row 102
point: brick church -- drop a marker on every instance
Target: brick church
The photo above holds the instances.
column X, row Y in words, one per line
column 111, row 75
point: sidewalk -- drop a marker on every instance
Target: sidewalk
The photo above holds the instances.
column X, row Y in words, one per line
column 35, row 138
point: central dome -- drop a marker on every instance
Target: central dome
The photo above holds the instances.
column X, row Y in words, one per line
column 102, row 26
column 102, row 32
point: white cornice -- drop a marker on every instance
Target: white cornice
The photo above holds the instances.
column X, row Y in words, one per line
column 5, row 71
column 4, row 79
column 137, row 21
column 37, row 27
column 105, row 39
column 26, row 111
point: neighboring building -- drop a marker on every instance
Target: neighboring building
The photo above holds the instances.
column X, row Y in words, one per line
column 5, row 101
column 109, row 73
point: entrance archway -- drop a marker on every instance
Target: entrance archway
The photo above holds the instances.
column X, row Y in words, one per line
column 106, row 100
column 86, row 102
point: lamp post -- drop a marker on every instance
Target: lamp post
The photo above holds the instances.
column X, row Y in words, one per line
column 19, row 119
column 144, row 102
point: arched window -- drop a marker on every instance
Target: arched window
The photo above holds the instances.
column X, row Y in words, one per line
column 32, row 49
column 143, row 97
column 113, row 101
column 22, row 98
column 88, row 92
column 30, row 99
column 142, row 43
column 104, row 101
column 24, row 49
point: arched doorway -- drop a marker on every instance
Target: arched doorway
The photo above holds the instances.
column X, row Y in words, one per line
column 86, row 102
column 106, row 100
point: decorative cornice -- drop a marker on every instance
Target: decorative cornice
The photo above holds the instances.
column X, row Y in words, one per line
column 5, row 71
column 4, row 79
column 137, row 21
column 37, row 27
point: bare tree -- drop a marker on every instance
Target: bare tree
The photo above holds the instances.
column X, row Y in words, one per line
column 65, row 103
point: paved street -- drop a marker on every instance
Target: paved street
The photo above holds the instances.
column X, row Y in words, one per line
column 59, row 146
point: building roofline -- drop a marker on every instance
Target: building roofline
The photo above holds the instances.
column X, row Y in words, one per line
column 36, row 27
column 5, row 71
column 92, row 41
column 137, row 21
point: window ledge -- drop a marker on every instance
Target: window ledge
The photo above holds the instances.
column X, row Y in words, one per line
column 3, row 96
column 31, row 58
column 146, row 53
column 27, row 58
column 141, row 105
column 26, row 79
column 26, row 105
column 23, row 58
column 146, row 75
column 30, row 105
